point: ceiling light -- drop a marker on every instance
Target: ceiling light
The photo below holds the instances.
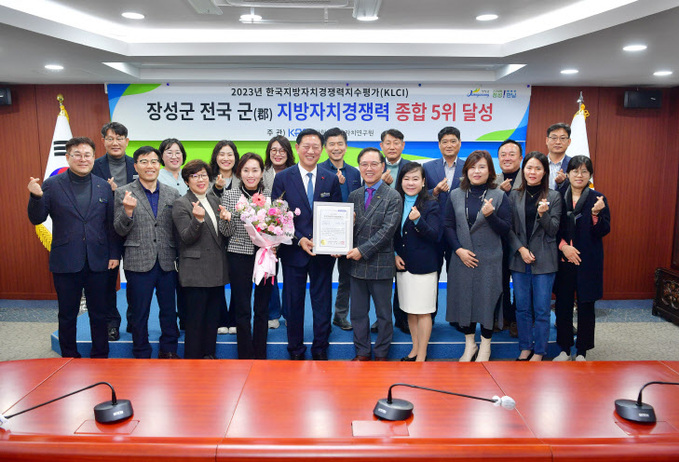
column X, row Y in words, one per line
column 569, row 71
column 250, row 18
column 367, row 10
column 487, row 17
column 662, row 73
column 54, row 67
column 132, row 15
column 636, row 47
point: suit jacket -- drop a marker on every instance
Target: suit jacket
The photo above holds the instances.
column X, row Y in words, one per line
column 288, row 184
column 563, row 187
column 102, row 170
column 147, row 238
column 578, row 228
column 418, row 244
column 374, row 232
column 542, row 242
column 234, row 229
column 77, row 238
column 351, row 174
column 202, row 259
column 434, row 173
column 518, row 181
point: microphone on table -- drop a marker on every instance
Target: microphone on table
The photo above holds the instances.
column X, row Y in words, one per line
column 400, row 409
column 107, row 412
column 637, row 411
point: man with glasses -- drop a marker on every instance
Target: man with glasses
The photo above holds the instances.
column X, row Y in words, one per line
column 143, row 216
column 558, row 140
column 378, row 211
column 84, row 246
column 118, row 169
column 301, row 186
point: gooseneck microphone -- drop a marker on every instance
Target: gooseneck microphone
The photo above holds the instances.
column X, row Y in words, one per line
column 400, row 409
column 107, row 412
column 637, row 411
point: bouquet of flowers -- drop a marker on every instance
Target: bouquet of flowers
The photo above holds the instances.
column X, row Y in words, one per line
column 268, row 223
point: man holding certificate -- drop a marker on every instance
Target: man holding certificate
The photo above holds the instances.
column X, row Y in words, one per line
column 301, row 186
column 378, row 213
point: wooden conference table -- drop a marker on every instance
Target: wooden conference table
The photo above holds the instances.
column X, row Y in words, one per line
column 266, row 410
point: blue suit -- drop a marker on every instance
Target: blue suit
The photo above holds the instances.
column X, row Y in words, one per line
column 297, row 264
column 351, row 174
column 83, row 242
column 563, row 187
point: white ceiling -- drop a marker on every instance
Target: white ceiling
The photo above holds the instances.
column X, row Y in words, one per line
column 426, row 41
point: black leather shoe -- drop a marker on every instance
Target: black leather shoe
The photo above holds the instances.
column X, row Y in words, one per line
column 297, row 357
column 409, row 358
column 373, row 327
column 361, row 358
column 342, row 324
column 113, row 334
column 167, row 355
column 322, row 356
column 209, row 357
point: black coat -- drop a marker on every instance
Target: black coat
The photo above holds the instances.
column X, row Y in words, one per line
column 578, row 227
column 419, row 244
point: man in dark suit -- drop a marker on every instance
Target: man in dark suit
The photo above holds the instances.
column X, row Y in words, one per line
column 378, row 211
column 84, row 246
column 558, row 140
column 441, row 177
column 509, row 155
column 143, row 216
column 301, row 186
column 118, row 169
column 349, row 179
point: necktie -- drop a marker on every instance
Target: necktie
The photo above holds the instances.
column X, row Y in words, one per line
column 370, row 191
column 310, row 189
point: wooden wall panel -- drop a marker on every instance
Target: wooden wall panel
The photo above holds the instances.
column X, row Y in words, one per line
column 673, row 144
column 26, row 130
column 637, row 170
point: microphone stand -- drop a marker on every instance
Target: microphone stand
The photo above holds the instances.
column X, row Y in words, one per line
column 107, row 412
column 637, row 411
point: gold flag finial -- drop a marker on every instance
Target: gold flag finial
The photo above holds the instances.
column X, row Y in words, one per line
column 62, row 109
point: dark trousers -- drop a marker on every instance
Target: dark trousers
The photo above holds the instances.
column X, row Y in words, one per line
column 343, row 288
column 112, row 314
column 380, row 291
column 276, row 308
column 251, row 338
column 565, row 288
column 181, row 305
column 319, row 270
column 69, row 287
column 201, row 318
column 140, row 286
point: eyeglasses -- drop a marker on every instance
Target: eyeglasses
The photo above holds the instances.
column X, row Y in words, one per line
column 173, row 153
column 369, row 164
column 145, row 162
column 583, row 172
column 558, row 138
column 278, row 151
column 80, row 156
column 119, row 139
column 199, row 176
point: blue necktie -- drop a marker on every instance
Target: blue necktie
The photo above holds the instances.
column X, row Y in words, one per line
column 310, row 189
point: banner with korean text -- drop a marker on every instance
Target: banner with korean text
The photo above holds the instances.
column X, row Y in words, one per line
column 485, row 116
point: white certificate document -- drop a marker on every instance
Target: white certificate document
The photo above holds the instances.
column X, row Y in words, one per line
column 333, row 228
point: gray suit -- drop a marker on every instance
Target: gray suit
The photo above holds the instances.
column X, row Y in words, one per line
column 149, row 262
column 542, row 242
column 156, row 233
column 373, row 274
column 202, row 258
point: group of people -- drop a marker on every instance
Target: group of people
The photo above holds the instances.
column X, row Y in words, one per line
column 178, row 232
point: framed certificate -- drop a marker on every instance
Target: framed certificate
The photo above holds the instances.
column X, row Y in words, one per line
column 333, row 228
